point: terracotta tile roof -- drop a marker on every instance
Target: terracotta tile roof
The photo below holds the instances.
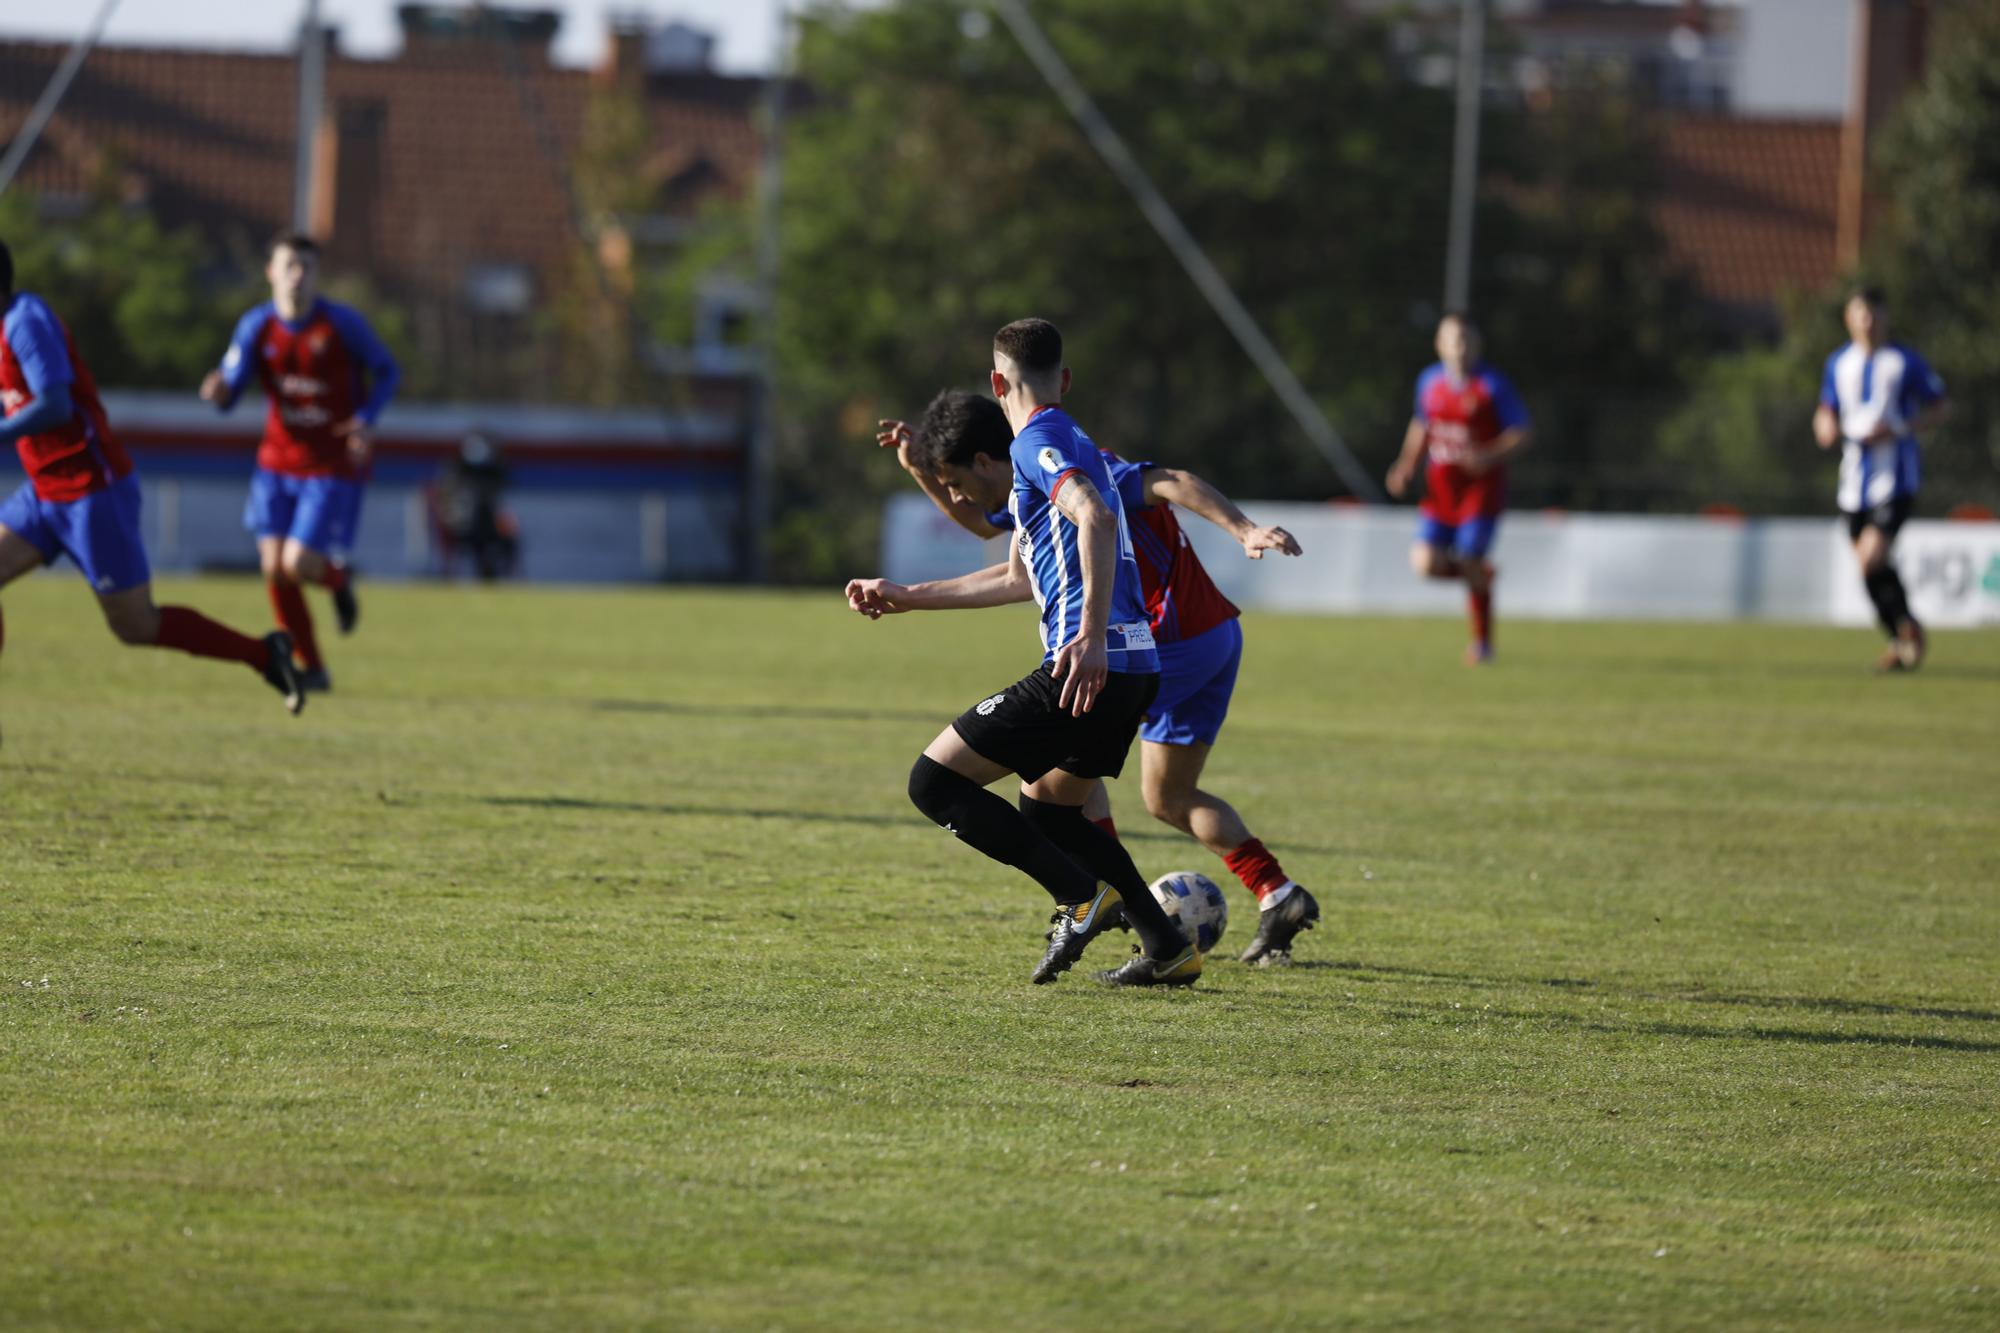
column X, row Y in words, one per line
column 1751, row 207
column 443, row 161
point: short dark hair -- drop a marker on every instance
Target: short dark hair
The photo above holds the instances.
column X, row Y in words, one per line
column 1035, row 345
column 1875, row 297
column 958, row 427
column 296, row 241
column 6, row 269
column 1462, row 317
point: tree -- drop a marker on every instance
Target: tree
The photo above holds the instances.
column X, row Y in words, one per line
column 936, row 189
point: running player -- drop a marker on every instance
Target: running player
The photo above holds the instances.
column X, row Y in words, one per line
column 1197, row 634
column 1874, row 398
column 328, row 378
column 1071, row 721
column 81, row 498
column 1470, row 422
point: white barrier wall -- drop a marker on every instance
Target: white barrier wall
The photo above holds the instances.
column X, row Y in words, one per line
column 1558, row 567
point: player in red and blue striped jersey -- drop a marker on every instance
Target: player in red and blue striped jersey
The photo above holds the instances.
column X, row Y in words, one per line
column 327, row 377
column 1470, row 422
column 1196, row 633
column 81, row 498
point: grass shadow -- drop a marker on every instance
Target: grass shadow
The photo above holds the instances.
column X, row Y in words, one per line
column 690, row 811
column 767, row 712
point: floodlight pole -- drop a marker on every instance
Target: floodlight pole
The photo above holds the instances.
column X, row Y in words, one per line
column 1465, row 155
column 52, row 96
column 312, row 97
column 1207, row 278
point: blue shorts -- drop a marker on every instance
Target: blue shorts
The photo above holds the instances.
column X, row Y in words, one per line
column 100, row 532
column 1197, row 676
column 1473, row 537
column 319, row 513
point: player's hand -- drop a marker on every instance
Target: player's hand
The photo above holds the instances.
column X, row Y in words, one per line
column 1259, row 540
column 360, row 439
column 1476, row 463
column 213, row 387
column 1883, row 433
column 1399, row 479
column 876, row 598
column 1082, row 666
column 897, row 435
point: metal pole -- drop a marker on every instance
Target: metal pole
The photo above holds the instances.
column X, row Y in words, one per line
column 52, row 96
column 1187, row 250
column 1465, row 155
column 763, row 425
column 312, row 97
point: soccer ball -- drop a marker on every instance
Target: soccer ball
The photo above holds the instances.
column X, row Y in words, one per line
column 1196, row 907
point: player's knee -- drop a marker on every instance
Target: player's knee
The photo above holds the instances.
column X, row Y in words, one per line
column 135, row 630
column 935, row 789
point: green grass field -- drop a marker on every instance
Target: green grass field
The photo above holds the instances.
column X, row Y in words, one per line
column 581, row 963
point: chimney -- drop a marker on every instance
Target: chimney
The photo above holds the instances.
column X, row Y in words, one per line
column 436, row 32
column 1888, row 59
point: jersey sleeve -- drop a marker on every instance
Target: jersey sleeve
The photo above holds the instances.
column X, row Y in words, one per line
column 1417, row 412
column 376, row 363
column 37, row 342
column 239, row 363
column 1922, row 386
column 1129, row 480
column 1829, row 386
column 1045, row 460
column 1508, row 408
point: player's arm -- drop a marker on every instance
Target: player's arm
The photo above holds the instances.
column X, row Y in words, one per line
column 44, row 361
column 897, row 435
column 996, row 585
column 1515, row 430
column 1410, row 457
column 1083, row 663
column 379, row 372
column 225, row 384
column 1167, row 485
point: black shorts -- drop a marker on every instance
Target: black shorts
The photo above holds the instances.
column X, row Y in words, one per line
column 1889, row 517
column 1024, row 728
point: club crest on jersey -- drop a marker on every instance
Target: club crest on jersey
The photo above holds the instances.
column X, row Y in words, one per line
column 986, row 706
column 1051, row 461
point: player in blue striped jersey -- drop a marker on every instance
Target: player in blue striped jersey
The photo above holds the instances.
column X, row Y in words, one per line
column 1874, row 398
column 1071, row 721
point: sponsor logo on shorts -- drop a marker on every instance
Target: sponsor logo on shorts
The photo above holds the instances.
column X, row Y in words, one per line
column 986, row 706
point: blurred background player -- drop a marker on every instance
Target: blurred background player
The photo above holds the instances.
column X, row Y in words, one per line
column 1071, row 721
column 1874, row 398
column 328, row 378
column 81, row 498
column 466, row 509
column 1470, row 422
column 1196, row 633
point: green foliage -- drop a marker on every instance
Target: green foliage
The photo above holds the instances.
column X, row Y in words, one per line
column 571, row 969
column 935, row 188
column 129, row 290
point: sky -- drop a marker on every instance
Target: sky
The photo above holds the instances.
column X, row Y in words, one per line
column 745, row 28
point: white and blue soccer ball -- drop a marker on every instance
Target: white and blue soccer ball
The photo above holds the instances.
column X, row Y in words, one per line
column 1195, row 905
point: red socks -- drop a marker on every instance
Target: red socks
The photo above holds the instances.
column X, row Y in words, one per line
column 192, row 632
column 288, row 601
column 1480, row 606
column 1107, row 825
column 1256, row 867
column 335, row 577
